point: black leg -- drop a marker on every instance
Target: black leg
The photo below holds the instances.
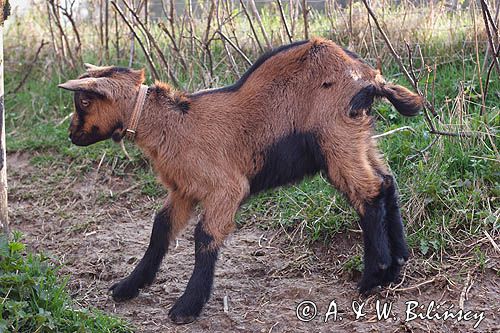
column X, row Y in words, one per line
column 399, row 248
column 377, row 256
column 144, row 273
column 188, row 307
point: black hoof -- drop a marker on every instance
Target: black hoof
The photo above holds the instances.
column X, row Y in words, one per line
column 392, row 274
column 370, row 281
column 180, row 319
column 185, row 310
column 374, row 276
column 367, row 286
column 123, row 290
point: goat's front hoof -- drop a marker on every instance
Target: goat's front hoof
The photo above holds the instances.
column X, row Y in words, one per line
column 123, row 290
column 185, row 310
column 368, row 286
column 373, row 278
column 181, row 319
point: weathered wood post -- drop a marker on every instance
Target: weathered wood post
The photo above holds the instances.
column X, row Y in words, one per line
column 4, row 218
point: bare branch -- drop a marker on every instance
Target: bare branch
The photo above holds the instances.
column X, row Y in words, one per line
column 27, row 71
column 259, row 21
column 251, row 25
column 155, row 45
column 305, row 11
column 243, row 55
column 488, row 21
column 146, row 53
column 283, row 19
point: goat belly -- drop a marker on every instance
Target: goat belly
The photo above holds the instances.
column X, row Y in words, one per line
column 288, row 160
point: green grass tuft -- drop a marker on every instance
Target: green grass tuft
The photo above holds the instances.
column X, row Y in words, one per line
column 33, row 297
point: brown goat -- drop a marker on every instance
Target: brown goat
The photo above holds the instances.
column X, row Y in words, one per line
column 299, row 110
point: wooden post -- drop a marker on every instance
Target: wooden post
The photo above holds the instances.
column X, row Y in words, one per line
column 4, row 218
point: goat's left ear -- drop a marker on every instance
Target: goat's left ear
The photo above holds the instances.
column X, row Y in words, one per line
column 141, row 73
column 101, row 86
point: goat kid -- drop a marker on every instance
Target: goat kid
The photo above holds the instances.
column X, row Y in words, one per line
column 300, row 109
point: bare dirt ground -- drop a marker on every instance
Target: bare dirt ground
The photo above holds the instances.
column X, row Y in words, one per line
column 98, row 224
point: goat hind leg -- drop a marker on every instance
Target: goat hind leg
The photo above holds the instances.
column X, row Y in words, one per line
column 377, row 254
column 393, row 221
column 168, row 222
column 399, row 248
column 353, row 175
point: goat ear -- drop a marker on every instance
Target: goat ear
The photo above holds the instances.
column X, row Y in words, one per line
column 97, row 85
column 90, row 67
column 141, row 75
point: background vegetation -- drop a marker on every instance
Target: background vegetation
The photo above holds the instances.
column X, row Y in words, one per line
column 448, row 183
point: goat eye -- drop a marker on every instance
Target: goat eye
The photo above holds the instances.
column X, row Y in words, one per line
column 85, row 102
column 327, row 84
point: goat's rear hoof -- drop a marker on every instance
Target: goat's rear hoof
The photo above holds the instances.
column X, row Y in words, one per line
column 185, row 310
column 392, row 274
column 123, row 291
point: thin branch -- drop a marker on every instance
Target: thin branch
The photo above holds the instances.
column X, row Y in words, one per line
column 30, row 67
column 259, row 21
column 155, row 45
column 148, row 56
column 241, row 53
column 69, row 16
column 251, row 25
column 452, row 134
column 421, row 152
column 305, row 11
column 62, row 35
column 487, row 82
column 221, row 8
column 175, row 48
column 493, row 49
column 283, row 19
column 403, row 128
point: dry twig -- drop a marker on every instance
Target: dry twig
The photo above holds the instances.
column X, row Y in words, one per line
column 27, row 72
column 155, row 45
column 283, row 19
column 146, row 53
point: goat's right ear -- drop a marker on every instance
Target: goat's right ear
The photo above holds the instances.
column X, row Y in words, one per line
column 97, row 85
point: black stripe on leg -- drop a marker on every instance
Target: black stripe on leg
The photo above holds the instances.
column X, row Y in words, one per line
column 377, row 256
column 399, row 248
column 188, row 307
column 145, row 272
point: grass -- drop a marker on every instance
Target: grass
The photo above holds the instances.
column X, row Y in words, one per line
column 34, row 297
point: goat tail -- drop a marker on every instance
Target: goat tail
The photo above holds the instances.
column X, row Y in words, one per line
column 406, row 102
